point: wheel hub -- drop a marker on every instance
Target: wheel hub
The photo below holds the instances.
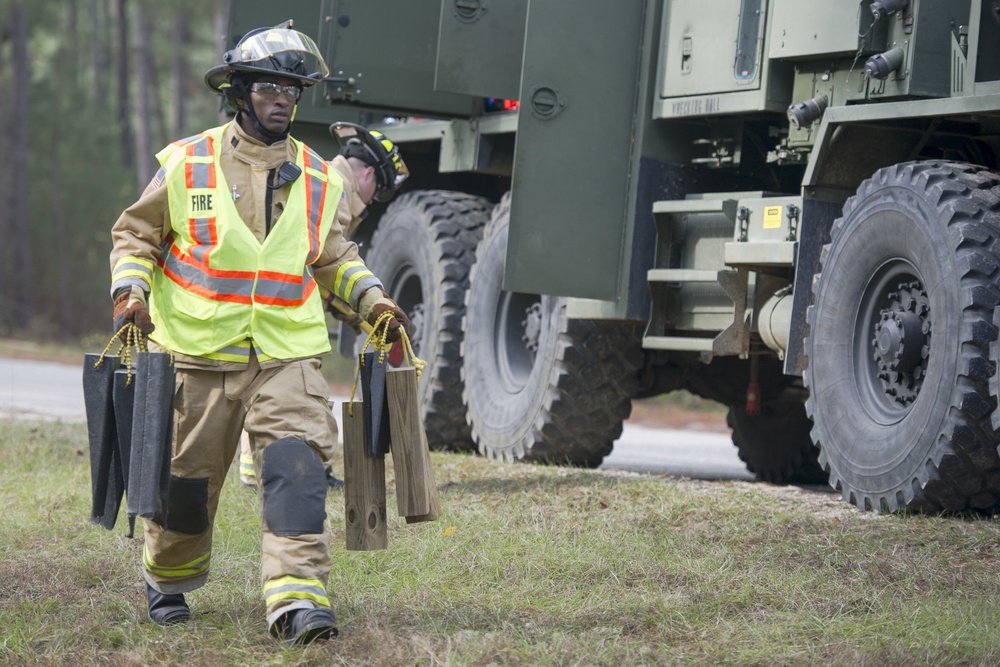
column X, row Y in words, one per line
column 902, row 342
column 532, row 327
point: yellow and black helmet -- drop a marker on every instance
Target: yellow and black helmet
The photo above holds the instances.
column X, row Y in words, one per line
column 276, row 51
column 374, row 149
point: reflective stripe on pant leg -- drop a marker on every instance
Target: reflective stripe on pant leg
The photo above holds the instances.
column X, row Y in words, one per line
column 289, row 593
column 294, row 512
column 295, row 588
column 248, row 474
column 193, row 573
column 290, row 402
column 247, row 469
column 207, row 426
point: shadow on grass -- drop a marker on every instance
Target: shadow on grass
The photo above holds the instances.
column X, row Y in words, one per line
column 537, row 483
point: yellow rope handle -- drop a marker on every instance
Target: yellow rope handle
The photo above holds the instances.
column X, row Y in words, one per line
column 408, row 353
column 377, row 339
column 134, row 338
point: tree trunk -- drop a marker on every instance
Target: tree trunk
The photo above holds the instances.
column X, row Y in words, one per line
column 57, row 228
column 61, row 258
column 219, row 22
column 99, row 53
column 158, row 118
column 6, row 192
column 144, row 108
column 18, row 242
column 124, row 92
column 70, row 41
column 179, row 72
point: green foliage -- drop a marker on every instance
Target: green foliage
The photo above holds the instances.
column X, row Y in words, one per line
column 527, row 566
column 79, row 181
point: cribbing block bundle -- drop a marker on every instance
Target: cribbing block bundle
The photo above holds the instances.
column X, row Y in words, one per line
column 130, row 429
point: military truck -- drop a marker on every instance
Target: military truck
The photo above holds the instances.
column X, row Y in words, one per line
column 786, row 206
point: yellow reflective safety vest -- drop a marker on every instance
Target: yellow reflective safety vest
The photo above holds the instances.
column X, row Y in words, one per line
column 216, row 288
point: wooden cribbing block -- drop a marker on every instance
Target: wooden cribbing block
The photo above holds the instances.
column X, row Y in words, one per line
column 364, row 486
column 416, row 493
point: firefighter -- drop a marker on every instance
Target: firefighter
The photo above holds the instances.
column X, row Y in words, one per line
column 372, row 169
column 220, row 262
column 372, row 165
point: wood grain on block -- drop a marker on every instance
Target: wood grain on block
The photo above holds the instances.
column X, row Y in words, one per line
column 416, row 493
column 364, row 486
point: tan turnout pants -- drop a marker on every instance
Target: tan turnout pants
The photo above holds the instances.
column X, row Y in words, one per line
column 211, row 409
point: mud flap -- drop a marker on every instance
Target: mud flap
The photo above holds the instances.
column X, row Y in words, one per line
column 105, row 468
column 152, row 438
column 376, row 407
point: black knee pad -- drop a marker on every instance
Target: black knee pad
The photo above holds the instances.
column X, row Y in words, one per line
column 187, row 505
column 294, row 484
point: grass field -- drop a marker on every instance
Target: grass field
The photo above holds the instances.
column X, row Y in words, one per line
column 527, row 566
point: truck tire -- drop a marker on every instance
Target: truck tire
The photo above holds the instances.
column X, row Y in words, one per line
column 899, row 346
column 775, row 444
column 421, row 251
column 539, row 386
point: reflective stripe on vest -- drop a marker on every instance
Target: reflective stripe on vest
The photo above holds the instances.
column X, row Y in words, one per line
column 192, row 269
column 217, row 287
column 276, row 289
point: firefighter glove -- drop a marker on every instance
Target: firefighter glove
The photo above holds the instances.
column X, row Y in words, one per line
column 130, row 307
column 351, row 319
column 374, row 302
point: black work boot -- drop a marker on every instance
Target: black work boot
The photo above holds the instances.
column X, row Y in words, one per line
column 332, row 481
column 166, row 609
column 304, row 626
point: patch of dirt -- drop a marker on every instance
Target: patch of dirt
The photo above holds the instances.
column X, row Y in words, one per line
column 12, row 349
column 657, row 414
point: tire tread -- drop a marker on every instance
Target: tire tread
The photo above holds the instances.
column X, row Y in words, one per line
column 963, row 457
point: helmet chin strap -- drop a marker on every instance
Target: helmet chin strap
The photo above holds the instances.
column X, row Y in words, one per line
column 248, row 109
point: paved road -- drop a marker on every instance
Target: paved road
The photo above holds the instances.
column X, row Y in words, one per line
column 45, row 390
column 41, row 390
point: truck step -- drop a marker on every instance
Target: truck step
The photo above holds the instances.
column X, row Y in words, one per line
column 682, row 276
column 677, row 343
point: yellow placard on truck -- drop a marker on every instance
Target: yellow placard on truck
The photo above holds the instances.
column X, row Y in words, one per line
column 772, row 217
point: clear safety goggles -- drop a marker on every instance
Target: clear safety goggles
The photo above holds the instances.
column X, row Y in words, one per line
column 271, row 90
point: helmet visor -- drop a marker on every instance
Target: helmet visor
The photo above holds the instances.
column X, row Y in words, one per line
column 263, row 45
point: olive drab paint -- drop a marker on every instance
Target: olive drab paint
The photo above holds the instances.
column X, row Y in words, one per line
column 679, row 171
